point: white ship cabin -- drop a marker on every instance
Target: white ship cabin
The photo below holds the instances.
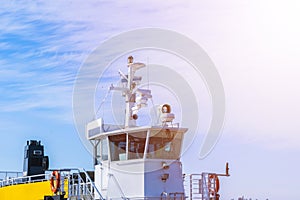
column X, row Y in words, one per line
column 137, row 162
column 133, row 162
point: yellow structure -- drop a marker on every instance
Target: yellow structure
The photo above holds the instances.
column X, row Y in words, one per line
column 28, row 191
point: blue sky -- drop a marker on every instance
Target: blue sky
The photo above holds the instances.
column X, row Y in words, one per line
column 254, row 45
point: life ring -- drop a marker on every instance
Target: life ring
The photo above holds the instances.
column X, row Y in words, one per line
column 214, row 178
column 55, row 182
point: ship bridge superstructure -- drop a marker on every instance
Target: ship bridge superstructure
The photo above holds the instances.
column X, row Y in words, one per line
column 137, row 161
column 142, row 162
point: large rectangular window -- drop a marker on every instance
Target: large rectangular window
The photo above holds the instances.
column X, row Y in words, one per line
column 104, row 149
column 165, row 144
column 136, row 145
column 117, row 146
column 101, row 151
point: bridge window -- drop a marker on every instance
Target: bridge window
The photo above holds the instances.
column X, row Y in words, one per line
column 117, row 145
column 101, row 151
column 164, row 145
column 136, row 145
column 104, row 149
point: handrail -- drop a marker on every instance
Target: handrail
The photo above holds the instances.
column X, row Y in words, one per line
column 88, row 185
column 23, row 179
column 88, row 181
column 92, row 183
column 118, row 185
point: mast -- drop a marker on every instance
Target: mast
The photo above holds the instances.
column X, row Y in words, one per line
column 135, row 98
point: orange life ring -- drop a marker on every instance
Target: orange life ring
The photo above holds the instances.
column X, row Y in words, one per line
column 55, row 181
column 215, row 190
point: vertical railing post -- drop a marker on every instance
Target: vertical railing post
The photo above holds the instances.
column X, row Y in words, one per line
column 191, row 187
column 84, row 187
column 69, row 185
column 78, row 185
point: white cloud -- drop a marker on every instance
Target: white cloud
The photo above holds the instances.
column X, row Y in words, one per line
column 246, row 41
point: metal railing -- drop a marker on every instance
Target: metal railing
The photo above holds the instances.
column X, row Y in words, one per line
column 200, row 186
column 80, row 184
column 4, row 175
column 172, row 196
column 81, row 187
column 9, row 180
